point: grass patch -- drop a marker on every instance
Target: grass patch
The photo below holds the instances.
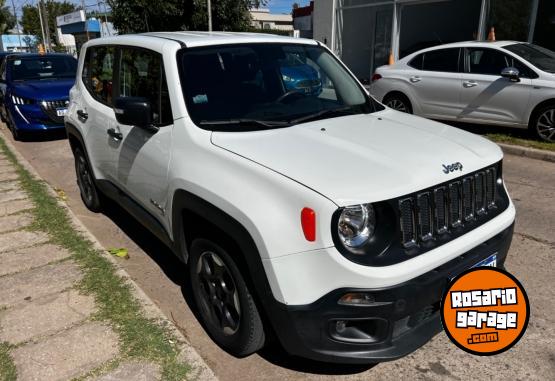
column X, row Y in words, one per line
column 140, row 338
column 7, row 367
column 509, row 139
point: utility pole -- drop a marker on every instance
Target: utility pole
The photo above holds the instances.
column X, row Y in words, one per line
column 17, row 25
column 209, row 6
column 84, row 8
column 39, row 5
column 46, row 26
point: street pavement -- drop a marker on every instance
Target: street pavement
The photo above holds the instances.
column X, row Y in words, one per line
column 531, row 184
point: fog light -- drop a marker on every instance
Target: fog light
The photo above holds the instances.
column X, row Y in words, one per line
column 340, row 326
column 356, row 299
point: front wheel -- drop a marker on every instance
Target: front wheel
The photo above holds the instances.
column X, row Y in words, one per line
column 398, row 102
column 225, row 304
column 86, row 182
column 542, row 123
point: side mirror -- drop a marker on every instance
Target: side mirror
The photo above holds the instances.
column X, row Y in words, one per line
column 134, row 111
column 511, row 73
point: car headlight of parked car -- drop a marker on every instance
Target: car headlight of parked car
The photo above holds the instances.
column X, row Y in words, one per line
column 21, row 100
column 356, row 225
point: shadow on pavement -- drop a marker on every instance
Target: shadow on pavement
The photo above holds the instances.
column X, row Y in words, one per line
column 42, row 136
column 174, row 269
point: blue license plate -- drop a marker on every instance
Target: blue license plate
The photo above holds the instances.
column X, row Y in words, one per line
column 490, row 261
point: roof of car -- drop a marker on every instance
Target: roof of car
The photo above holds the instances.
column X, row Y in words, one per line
column 481, row 44
column 192, row 39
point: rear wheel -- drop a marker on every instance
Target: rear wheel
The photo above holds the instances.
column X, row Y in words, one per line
column 542, row 123
column 398, row 102
column 86, row 182
column 225, row 304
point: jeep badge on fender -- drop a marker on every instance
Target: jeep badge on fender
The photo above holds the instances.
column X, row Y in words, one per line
column 249, row 155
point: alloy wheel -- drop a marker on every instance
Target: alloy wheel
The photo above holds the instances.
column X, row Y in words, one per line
column 84, row 178
column 219, row 295
column 545, row 126
column 397, row 104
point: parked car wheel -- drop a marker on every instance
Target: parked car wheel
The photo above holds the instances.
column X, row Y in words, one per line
column 86, row 182
column 225, row 304
column 542, row 123
column 398, row 102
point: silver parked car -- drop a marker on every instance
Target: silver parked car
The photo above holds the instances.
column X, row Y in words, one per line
column 500, row 83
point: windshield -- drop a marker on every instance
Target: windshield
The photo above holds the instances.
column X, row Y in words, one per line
column 261, row 86
column 541, row 58
column 42, row 67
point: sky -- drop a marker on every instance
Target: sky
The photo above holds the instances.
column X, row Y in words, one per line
column 276, row 6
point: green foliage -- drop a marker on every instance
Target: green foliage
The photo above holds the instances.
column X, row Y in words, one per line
column 7, row 19
column 135, row 16
column 31, row 22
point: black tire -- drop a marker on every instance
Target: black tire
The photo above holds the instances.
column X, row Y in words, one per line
column 398, row 102
column 542, row 123
column 225, row 305
column 86, row 182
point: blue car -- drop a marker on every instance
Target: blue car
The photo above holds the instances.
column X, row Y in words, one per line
column 299, row 76
column 35, row 91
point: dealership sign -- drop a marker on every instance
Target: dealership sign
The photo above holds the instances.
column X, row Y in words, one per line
column 71, row 18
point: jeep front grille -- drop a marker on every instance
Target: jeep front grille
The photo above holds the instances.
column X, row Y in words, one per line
column 437, row 212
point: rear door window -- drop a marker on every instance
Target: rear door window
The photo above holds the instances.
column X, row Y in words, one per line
column 98, row 73
column 445, row 60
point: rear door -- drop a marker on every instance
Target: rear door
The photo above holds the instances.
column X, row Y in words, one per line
column 488, row 97
column 142, row 156
column 94, row 109
column 436, row 82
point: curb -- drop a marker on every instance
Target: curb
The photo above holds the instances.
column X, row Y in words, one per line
column 199, row 369
column 532, row 153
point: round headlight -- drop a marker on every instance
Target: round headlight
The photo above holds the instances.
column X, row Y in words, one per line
column 356, row 225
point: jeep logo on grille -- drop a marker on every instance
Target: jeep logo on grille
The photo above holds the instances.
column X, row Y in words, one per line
column 452, row 167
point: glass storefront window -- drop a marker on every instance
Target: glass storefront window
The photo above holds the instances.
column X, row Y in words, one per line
column 510, row 18
column 545, row 25
column 437, row 22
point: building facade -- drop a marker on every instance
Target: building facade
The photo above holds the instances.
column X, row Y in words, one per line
column 364, row 32
column 302, row 20
column 261, row 18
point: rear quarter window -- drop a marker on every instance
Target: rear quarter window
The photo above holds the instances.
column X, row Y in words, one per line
column 416, row 62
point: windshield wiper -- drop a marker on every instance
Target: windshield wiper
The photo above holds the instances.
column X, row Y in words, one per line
column 321, row 114
column 243, row 122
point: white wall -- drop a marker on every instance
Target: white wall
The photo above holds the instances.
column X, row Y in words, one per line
column 323, row 19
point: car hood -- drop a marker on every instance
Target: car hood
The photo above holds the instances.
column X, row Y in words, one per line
column 45, row 89
column 364, row 158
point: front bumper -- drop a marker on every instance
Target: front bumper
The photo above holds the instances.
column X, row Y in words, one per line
column 32, row 118
column 402, row 319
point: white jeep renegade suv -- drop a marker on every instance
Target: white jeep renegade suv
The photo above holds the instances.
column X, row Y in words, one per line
column 301, row 205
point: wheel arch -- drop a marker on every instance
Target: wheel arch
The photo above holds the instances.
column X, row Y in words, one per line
column 193, row 217
column 401, row 93
column 538, row 107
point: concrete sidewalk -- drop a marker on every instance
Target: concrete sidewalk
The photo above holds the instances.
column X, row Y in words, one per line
column 43, row 317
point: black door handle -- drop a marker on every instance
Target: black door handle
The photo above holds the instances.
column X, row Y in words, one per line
column 82, row 115
column 115, row 134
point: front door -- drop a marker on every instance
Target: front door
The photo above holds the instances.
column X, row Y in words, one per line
column 488, row 97
column 142, row 156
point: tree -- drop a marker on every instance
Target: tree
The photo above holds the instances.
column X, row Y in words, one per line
column 7, row 19
column 135, row 16
column 31, row 22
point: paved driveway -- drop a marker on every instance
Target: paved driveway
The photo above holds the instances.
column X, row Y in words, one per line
column 532, row 259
